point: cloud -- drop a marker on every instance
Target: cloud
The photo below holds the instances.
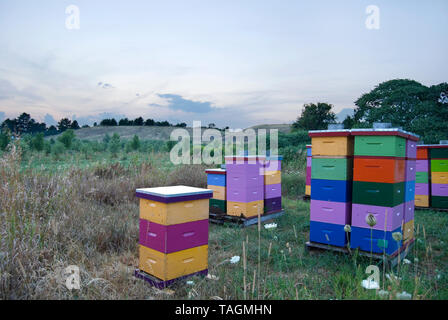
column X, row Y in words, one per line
column 176, row 102
column 9, row 91
column 105, row 85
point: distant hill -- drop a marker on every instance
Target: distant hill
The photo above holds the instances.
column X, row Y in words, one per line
column 285, row 128
column 149, row 132
column 127, row 132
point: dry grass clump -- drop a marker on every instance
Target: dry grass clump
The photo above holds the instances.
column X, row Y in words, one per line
column 85, row 217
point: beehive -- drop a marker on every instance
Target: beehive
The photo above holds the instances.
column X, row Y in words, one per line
column 173, row 240
column 308, row 169
column 272, row 184
column 422, row 177
column 439, row 176
column 245, row 185
column 383, row 187
column 216, row 181
column 331, row 186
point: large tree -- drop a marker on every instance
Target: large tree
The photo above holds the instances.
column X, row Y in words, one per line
column 315, row 117
column 408, row 104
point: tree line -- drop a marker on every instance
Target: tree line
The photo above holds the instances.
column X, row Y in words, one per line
column 402, row 102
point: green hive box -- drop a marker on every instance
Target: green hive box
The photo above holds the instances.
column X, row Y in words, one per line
column 378, row 194
column 218, row 206
column 421, row 177
column 439, row 165
column 331, row 168
column 439, row 202
column 381, row 146
column 441, row 153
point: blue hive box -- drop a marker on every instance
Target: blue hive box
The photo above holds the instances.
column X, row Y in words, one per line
column 331, row 190
column 328, row 233
column 362, row 238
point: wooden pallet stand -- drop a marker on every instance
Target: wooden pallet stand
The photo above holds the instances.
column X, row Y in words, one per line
column 242, row 221
column 390, row 260
column 161, row 284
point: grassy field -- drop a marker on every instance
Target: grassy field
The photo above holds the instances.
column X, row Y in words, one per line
column 56, row 213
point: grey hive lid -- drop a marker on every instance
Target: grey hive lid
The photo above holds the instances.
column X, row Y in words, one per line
column 174, row 191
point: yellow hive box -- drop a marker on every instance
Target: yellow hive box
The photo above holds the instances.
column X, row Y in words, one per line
column 421, row 200
column 272, row 177
column 308, row 190
column 247, row 209
column 173, row 265
column 174, row 213
column 332, row 146
column 439, row 177
column 219, row 192
column 408, row 232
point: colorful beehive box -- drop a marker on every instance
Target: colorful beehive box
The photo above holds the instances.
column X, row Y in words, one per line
column 216, row 181
column 272, row 184
column 173, row 239
column 422, row 177
column 439, row 176
column 308, row 169
column 245, row 185
column 331, row 186
column 383, row 187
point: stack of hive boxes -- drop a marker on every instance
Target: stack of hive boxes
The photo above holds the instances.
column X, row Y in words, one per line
column 379, row 188
column 245, row 185
column 308, row 170
column 173, row 231
column 439, row 176
column 331, row 186
column 409, row 193
column 272, row 184
column 216, row 181
column 422, row 177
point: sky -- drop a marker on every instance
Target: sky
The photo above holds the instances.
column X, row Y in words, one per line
column 232, row 63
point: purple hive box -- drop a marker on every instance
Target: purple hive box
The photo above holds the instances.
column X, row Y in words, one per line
column 308, row 176
column 175, row 237
column 411, row 149
column 422, row 189
column 440, row 190
column 245, row 165
column 273, row 204
column 272, row 191
column 242, row 180
column 273, row 165
column 410, row 170
column 409, row 208
column 422, row 165
column 240, row 194
column 309, row 160
column 330, row 212
column 394, row 216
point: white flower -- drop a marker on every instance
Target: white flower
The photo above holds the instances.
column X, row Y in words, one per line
column 190, row 283
column 212, row 277
column 406, row 261
column 371, row 220
column 347, row 228
column 415, row 259
column 370, row 284
column 235, row 259
column 270, row 226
